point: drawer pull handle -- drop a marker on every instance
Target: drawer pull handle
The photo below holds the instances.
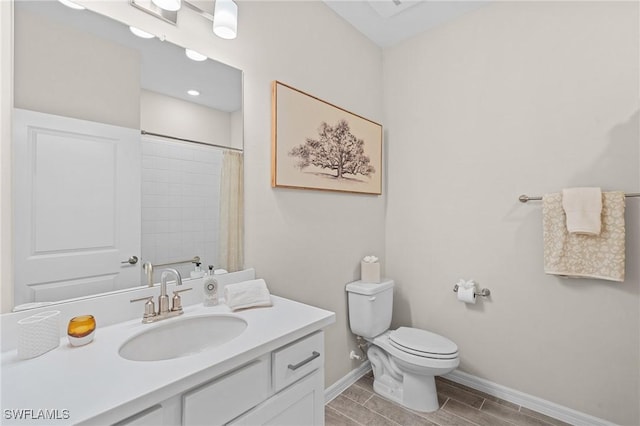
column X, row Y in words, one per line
column 313, row 356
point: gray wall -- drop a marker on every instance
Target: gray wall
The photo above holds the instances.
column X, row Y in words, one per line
column 44, row 51
column 517, row 97
column 174, row 117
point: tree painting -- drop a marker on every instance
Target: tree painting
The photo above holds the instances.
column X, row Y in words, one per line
column 336, row 149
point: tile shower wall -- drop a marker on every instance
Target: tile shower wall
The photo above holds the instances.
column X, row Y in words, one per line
column 180, row 202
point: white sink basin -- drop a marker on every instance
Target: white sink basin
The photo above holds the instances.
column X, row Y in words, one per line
column 182, row 337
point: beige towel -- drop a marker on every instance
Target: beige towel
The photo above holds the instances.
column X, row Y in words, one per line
column 586, row 256
column 583, row 207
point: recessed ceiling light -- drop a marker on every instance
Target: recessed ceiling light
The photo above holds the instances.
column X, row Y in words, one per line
column 193, row 92
column 196, row 56
column 140, row 33
column 72, row 5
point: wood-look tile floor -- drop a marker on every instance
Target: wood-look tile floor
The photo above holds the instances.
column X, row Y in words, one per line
column 460, row 405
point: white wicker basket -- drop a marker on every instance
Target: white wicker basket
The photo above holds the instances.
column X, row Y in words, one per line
column 38, row 334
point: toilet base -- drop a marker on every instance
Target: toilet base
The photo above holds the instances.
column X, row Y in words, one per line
column 415, row 392
column 410, row 385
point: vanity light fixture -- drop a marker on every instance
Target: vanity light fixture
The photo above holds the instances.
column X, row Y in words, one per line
column 224, row 15
column 225, row 19
column 171, row 5
column 72, row 5
column 195, row 56
column 140, row 33
column 193, row 92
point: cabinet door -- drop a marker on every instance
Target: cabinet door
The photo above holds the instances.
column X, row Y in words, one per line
column 301, row 404
column 223, row 399
column 150, row 417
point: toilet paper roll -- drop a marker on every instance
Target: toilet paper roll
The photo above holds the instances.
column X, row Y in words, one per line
column 467, row 295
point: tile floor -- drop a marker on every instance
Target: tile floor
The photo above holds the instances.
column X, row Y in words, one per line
column 459, row 406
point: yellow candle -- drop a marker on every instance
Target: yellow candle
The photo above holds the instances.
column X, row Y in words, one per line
column 81, row 326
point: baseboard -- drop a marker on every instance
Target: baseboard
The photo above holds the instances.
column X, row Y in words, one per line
column 529, row 401
column 350, row 378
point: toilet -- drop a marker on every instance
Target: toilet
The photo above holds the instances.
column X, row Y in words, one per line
column 405, row 361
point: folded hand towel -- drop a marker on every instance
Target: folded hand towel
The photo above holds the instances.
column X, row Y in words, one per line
column 583, row 207
column 247, row 294
column 588, row 256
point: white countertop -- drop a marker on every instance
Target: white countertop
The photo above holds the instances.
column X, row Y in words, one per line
column 94, row 380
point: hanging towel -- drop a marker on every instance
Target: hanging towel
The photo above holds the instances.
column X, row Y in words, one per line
column 247, row 294
column 587, row 256
column 583, row 207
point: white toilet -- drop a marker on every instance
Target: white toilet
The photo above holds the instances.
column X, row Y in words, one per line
column 405, row 361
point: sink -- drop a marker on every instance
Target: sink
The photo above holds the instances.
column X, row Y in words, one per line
column 182, row 337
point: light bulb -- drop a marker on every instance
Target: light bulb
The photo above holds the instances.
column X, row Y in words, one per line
column 72, row 5
column 195, row 56
column 225, row 19
column 171, row 5
column 140, row 33
column 193, row 92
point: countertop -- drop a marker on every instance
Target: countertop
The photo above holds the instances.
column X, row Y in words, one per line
column 93, row 380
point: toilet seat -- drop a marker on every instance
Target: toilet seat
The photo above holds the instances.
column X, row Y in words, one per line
column 423, row 343
column 418, row 363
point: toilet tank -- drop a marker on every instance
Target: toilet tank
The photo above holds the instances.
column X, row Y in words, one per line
column 370, row 307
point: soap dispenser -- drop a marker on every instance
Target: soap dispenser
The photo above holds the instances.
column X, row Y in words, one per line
column 210, row 289
column 198, row 272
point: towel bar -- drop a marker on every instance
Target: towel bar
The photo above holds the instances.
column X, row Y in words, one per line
column 148, row 267
column 524, row 198
column 484, row 292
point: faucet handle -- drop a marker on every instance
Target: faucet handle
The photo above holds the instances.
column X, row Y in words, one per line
column 149, row 307
column 177, row 300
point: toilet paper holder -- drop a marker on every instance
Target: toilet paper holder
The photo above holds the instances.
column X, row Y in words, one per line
column 484, row 292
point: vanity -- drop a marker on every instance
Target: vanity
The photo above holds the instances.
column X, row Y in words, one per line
column 271, row 372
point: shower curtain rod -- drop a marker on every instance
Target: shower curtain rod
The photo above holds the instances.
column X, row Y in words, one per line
column 525, row 198
column 144, row 132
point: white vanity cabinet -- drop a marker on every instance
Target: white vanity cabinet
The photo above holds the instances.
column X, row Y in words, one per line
column 299, row 405
column 271, row 373
column 222, row 400
column 282, row 387
column 297, row 378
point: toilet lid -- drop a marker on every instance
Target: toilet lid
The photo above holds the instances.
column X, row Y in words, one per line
column 423, row 343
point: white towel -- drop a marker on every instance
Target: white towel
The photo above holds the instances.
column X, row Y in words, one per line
column 587, row 256
column 583, row 207
column 247, row 294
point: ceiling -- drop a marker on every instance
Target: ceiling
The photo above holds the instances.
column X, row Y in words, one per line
column 387, row 22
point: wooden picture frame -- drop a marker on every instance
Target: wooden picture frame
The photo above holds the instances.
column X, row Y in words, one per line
column 317, row 145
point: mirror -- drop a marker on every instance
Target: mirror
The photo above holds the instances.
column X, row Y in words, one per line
column 115, row 164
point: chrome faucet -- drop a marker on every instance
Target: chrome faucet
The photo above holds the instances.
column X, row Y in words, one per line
column 163, row 299
column 164, row 311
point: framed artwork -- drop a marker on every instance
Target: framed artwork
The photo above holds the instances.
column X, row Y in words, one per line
column 317, row 145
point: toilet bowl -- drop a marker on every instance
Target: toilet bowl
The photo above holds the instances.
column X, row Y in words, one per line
column 405, row 361
column 406, row 374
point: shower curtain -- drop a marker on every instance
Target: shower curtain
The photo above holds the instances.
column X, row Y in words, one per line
column 231, row 255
